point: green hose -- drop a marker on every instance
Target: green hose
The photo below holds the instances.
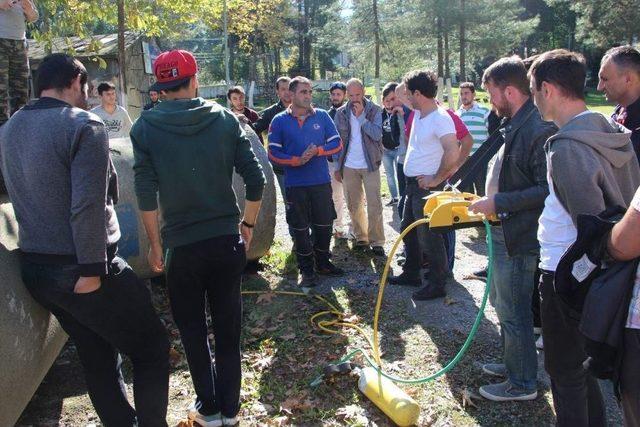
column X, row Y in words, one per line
column 464, row 347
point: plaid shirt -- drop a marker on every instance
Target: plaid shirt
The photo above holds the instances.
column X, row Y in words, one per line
column 633, row 321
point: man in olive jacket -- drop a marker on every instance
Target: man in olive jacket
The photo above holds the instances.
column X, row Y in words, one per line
column 359, row 123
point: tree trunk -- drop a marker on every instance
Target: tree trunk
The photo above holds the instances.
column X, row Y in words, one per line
column 447, row 70
column 121, row 53
column 376, row 39
column 277, row 64
column 300, row 36
column 232, row 56
column 440, row 48
column 306, row 71
column 463, row 42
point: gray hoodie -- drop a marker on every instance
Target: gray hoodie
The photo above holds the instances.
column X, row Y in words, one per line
column 592, row 164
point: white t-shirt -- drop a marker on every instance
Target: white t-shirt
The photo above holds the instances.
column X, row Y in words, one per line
column 424, row 152
column 118, row 124
column 355, row 155
column 556, row 231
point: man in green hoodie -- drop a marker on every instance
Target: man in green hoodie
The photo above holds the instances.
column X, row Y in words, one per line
column 591, row 166
column 185, row 153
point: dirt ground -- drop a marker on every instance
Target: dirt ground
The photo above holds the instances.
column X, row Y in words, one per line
column 283, row 352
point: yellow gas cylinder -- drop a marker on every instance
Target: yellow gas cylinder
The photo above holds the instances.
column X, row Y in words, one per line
column 398, row 405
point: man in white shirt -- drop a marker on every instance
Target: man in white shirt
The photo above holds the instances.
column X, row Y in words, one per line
column 591, row 166
column 115, row 118
column 359, row 123
column 431, row 155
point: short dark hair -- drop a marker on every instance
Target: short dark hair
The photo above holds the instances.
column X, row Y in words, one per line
column 424, row 81
column 563, row 69
column 388, row 88
column 105, row 87
column 282, row 79
column 625, row 57
column 293, row 84
column 529, row 60
column 509, row 71
column 235, row 89
column 337, row 86
column 57, row 71
column 177, row 88
column 468, row 85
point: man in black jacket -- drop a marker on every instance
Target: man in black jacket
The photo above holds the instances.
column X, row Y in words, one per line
column 263, row 123
column 267, row 115
column 516, row 189
column 619, row 79
column 337, row 95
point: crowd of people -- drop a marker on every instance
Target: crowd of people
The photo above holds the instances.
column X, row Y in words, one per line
column 545, row 161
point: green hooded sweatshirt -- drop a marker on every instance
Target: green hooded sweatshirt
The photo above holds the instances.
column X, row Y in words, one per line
column 185, row 152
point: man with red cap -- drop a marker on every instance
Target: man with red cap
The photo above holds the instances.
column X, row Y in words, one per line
column 186, row 150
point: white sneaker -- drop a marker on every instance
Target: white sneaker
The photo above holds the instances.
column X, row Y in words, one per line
column 540, row 343
column 203, row 420
column 229, row 421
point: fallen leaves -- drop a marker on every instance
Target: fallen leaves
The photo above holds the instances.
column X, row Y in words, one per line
column 467, row 398
column 351, row 318
column 298, row 402
column 265, row 298
column 262, row 362
column 175, row 358
column 354, row 414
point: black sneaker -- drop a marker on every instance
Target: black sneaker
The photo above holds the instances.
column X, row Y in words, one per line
column 405, row 279
column 428, row 293
column 329, row 269
column 308, row 280
column 360, row 246
column 378, row 250
column 478, row 275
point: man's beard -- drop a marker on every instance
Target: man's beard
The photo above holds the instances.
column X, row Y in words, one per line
column 504, row 110
column 338, row 105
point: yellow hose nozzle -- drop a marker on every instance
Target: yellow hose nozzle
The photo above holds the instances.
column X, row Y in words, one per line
column 395, row 403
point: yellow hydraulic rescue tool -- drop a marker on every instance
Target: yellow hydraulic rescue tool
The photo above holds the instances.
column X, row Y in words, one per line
column 443, row 211
column 448, row 210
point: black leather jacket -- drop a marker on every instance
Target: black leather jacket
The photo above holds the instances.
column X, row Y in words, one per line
column 523, row 187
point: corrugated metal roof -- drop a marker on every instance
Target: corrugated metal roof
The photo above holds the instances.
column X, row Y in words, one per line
column 108, row 48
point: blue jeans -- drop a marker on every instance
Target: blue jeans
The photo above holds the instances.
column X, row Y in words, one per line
column 511, row 292
column 390, row 162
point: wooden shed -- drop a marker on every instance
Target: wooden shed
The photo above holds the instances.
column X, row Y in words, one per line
column 103, row 64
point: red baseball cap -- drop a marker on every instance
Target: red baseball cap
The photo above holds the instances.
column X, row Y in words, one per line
column 173, row 68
